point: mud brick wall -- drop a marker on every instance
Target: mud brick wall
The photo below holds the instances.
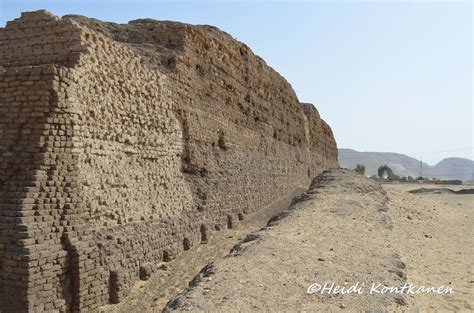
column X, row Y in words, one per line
column 41, row 217
column 134, row 193
column 242, row 122
column 39, row 39
column 123, row 145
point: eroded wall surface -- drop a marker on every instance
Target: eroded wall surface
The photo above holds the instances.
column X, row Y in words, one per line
column 123, row 145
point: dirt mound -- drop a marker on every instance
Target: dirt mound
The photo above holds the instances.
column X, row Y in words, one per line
column 332, row 232
column 337, row 232
column 464, row 192
column 442, row 191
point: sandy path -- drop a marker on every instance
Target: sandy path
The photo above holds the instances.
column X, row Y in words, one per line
column 435, row 236
column 339, row 232
column 152, row 295
column 345, row 229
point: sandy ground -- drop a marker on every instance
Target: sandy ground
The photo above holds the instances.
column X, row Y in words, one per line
column 345, row 229
column 435, row 236
column 152, row 295
column 338, row 232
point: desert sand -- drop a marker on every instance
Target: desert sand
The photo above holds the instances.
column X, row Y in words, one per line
column 345, row 229
column 435, row 235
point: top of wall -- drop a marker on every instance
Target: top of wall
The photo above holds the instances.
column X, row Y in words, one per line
column 160, row 41
column 209, row 65
column 38, row 38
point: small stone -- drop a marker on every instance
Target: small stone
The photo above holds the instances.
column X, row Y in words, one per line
column 163, row 267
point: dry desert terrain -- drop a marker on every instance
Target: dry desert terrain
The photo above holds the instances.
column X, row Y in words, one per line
column 344, row 229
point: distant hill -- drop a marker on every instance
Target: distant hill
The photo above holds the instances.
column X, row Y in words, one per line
column 403, row 165
column 453, row 168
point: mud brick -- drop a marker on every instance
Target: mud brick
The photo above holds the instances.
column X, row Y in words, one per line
column 114, row 157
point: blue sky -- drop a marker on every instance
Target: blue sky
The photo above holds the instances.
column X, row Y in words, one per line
column 387, row 76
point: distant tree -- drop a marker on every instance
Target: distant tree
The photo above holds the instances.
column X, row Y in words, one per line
column 374, row 177
column 420, row 178
column 381, row 171
column 385, row 170
column 360, row 168
column 403, row 179
column 410, row 178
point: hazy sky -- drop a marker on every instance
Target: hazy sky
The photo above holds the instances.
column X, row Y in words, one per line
column 387, row 76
